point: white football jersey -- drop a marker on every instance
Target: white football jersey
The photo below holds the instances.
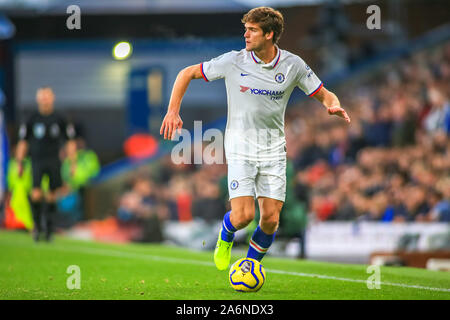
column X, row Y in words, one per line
column 257, row 95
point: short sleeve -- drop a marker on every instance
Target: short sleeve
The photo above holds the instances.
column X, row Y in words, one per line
column 307, row 80
column 217, row 68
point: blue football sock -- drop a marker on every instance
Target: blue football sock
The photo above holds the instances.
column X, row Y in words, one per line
column 228, row 229
column 259, row 244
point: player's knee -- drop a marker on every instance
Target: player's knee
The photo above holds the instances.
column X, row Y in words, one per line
column 249, row 215
column 243, row 218
column 269, row 222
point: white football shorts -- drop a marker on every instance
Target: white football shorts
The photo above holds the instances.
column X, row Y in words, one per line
column 257, row 179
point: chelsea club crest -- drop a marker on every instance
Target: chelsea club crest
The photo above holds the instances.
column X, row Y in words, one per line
column 279, row 77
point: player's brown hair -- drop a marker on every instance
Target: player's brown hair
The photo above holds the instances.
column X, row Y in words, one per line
column 268, row 19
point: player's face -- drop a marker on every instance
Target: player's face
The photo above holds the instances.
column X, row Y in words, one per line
column 45, row 99
column 255, row 39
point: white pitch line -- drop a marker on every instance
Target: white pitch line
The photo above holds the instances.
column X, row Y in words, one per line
column 116, row 253
column 320, row 276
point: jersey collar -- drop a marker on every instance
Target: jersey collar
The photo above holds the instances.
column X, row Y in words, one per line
column 269, row 65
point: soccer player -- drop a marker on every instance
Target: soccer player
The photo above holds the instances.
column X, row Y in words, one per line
column 43, row 134
column 259, row 81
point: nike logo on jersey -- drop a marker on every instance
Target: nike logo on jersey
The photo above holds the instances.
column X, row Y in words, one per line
column 245, row 74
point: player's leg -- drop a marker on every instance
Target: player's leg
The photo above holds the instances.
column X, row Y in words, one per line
column 271, row 193
column 36, row 210
column 55, row 183
column 264, row 235
column 241, row 189
column 49, row 213
column 241, row 214
column 36, row 199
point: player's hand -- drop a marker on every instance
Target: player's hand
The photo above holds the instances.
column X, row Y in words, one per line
column 340, row 112
column 172, row 121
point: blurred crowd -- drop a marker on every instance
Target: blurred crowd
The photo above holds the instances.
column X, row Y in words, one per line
column 172, row 193
column 393, row 162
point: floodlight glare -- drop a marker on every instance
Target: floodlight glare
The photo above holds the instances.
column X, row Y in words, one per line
column 122, row 50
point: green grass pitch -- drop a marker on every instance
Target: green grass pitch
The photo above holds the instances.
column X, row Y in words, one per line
column 31, row 270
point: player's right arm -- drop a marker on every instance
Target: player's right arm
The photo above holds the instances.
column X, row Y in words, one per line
column 172, row 121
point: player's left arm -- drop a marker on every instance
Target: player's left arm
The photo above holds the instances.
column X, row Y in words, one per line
column 331, row 102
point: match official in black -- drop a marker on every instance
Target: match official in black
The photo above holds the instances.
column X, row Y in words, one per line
column 44, row 134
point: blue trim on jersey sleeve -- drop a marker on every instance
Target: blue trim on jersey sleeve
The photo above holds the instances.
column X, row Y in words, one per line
column 203, row 73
